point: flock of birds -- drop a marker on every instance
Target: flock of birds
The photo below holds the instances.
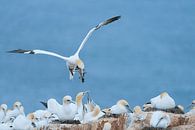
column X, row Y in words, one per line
column 78, row 112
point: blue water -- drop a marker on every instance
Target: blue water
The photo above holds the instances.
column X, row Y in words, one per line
column 150, row 50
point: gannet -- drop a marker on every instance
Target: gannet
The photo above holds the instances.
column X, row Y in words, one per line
column 160, row 119
column 3, row 109
column 22, row 123
column 80, row 107
column 138, row 114
column 163, row 101
column 73, row 62
column 42, row 122
column 6, row 126
column 122, row 106
column 66, row 111
column 192, row 110
column 90, row 104
column 93, row 115
column 18, row 109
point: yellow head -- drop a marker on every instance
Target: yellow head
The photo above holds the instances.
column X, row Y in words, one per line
column 3, row 107
column 67, row 100
column 17, row 105
column 31, row 116
column 80, row 64
column 123, row 103
column 79, row 97
column 163, row 94
column 137, row 110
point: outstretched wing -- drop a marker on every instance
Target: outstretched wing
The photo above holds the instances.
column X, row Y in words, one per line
column 38, row 52
column 96, row 28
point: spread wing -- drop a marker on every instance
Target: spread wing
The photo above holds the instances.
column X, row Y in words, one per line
column 38, row 52
column 110, row 20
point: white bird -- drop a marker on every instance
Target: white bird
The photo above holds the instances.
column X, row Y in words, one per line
column 40, row 122
column 80, row 107
column 18, row 109
column 138, row 114
column 121, row 107
column 3, row 109
column 160, row 119
column 93, row 115
column 22, row 123
column 6, row 126
column 163, row 101
column 192, row 110
column 73, row 62
column 66, row 111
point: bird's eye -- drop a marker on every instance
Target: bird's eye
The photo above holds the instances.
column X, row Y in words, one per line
column 68, row 100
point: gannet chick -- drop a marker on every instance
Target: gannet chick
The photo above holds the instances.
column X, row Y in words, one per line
column 160, row 119
column 93, row 116
column 138, row 114
column 22, row 123
column 18, row 109
column 107, row 126
column 80, row 106
column 3, row 109
column 122, row 106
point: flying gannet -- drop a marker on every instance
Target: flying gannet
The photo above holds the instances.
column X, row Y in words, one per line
column 74, row 63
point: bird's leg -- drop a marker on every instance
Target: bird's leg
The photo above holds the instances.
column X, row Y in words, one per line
column 81, row 74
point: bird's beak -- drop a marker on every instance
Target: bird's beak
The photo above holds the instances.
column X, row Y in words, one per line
column 86, row 92
column 128, row 108
column 73, row 101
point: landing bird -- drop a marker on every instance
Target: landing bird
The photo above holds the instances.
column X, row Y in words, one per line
column 74, row 63
column 160, row 119
column 3, row 109
column 121, row 107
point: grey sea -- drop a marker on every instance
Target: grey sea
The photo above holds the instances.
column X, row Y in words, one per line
column 149, row 50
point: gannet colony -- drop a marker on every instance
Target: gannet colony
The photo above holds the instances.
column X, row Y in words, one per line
column 161, row 112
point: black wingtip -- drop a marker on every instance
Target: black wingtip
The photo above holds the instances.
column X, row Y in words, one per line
column 110, row 20
column 21, row 51
column 44, row 104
